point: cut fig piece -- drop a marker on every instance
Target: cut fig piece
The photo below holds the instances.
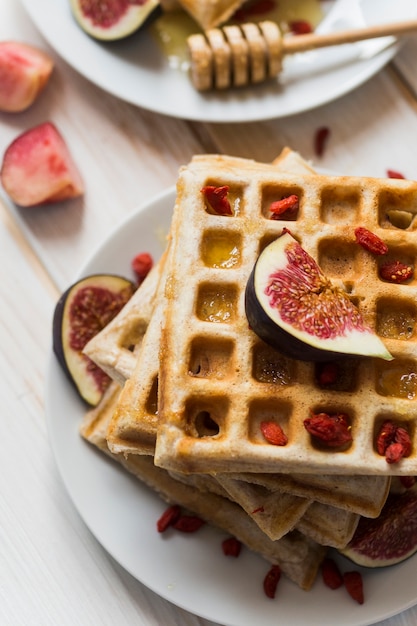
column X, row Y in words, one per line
column 38, row 168
column 389, row 538
column 24, row 72
column 109, row 20
column 293, row 307
column 81, row 313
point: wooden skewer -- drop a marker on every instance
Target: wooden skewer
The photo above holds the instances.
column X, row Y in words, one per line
column 302, row 43
column 214, row 55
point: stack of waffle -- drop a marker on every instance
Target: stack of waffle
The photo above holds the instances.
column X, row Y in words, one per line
column 188, row 423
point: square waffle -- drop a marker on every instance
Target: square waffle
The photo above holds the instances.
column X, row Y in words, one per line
column 218, row 381
column 133, row 427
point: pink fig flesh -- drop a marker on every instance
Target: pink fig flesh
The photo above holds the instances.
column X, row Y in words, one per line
column 24, row 72
column 38, row 168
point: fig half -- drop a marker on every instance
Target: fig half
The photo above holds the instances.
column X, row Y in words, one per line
column 389, row 538
column 109, row 20
column 82, row 311
column 293, row 307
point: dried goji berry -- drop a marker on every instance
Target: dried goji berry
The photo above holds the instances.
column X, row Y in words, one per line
column 408, row 481
column 396, row 272
column 331, row 574
column 188, row 523
column 370, row 241
column 300, row 27
column 271, row 581
column 394, row 453
column 321, row 137
column 217, row 199
column 393, row 442
column 394, row 174
column 327, row 374
column 168, row 518
column 273, row 433
column 231, row 547
column 285, row 208
column 332, row 430
column 354, row 585
column 142, row 264
column 402, row 436
column 385, row 436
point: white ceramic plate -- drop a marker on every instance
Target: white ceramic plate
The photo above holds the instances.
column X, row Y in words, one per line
column 136, row 71
column 190, row 571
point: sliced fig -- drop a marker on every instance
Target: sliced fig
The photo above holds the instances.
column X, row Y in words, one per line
column 82, row 312
column 293, row 307
column 389, row 538
column 109, row 20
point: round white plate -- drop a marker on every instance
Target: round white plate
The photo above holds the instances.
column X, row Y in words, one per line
column 190, row 571
column 136, row 71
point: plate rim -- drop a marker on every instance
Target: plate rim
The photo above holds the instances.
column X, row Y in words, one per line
column 205, row 109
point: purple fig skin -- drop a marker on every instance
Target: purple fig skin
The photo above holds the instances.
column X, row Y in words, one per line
column 389, row 538
column 86, row 378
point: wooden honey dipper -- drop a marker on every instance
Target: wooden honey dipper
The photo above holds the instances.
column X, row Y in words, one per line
column 234, row 56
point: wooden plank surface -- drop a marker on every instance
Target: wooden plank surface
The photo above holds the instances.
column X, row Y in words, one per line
column 53, row 571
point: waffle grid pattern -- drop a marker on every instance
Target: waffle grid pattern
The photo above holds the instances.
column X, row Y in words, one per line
column 219, row 381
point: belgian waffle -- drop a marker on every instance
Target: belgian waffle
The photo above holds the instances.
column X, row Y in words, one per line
column 218, row 381
column 298, row 556
column 133, row 427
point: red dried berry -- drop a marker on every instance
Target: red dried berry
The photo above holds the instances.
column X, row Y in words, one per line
column 231, row 547
column 354, row 585
column 142, row 264
column 396, row 272
column 188, row 523
column 321, row 137
column 285, row 208
column 331, row 574
column 385, row 436
column 217, row 199
column 394, row 453
column 393, row 442
column 300, row 27
column 273, row 433
column 168, row 518
column 332, row 430
column 408, row 481
column 394, row 174
column 271, row 581
column 370, row 242
column 327, row 374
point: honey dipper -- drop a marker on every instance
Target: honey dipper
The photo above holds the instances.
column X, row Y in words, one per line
column 235, row 56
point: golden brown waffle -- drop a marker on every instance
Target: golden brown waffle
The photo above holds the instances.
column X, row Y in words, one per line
column 132, row 429
column 218, row 381
column 298, row 556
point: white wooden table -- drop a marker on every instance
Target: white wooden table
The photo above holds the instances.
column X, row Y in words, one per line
column 52, row 570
